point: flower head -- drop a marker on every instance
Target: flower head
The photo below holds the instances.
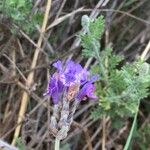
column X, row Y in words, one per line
column 72, row 80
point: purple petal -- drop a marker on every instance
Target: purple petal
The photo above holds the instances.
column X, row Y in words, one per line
column 70, row 77
column 73, row 67
column 78, row 68
column 87, row 91
column 58, row 65
column 70, row 65
column 84, row 76
column 94, row 78
column 71, row 73
column 90, row 91
column 55, row 89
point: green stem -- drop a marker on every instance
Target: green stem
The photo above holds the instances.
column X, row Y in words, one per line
column 126, row 147
column 100, row 62
column 57, row 144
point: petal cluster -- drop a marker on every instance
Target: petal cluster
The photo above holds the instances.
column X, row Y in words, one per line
column 72, row 81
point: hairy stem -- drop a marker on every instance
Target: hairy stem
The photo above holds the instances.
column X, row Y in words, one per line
column 57, row 144
column 126, row 147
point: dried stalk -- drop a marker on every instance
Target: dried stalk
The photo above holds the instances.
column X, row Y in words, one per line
column 6, row 112
column 88, row 138
column 30, row 78
column 103, row 133
column 145, row 51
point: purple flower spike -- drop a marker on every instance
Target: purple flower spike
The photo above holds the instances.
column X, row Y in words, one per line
column 69, row 85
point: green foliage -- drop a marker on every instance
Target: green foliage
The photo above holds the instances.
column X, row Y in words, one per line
column 143, row 137
column 94, row 31
column 19, row 11
column 125, row 88
column 120, row 88
column 20, row 144
column 65, row 146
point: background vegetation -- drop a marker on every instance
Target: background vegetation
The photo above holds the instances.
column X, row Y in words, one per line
column 34, row 34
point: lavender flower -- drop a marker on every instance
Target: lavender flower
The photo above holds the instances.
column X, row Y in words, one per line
column 69, row 79
column 67, row 87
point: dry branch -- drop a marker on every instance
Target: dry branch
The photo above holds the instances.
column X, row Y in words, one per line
column 30, row 78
